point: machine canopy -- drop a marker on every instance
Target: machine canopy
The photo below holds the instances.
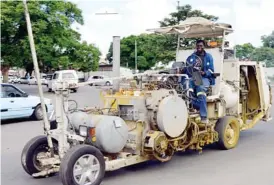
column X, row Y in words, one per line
column 196, row 27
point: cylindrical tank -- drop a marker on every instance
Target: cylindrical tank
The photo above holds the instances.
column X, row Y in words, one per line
column 229, row 94
column 80, row 118
column 172, row 116
column 111, row 131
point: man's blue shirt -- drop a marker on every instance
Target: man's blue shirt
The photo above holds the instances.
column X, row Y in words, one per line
column 204, row 64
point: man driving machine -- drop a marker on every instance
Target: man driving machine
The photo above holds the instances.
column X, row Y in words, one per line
column 200, row 69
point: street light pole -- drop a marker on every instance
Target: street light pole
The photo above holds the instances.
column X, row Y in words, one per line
column 136, row 57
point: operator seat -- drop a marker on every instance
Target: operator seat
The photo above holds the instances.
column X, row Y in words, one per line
column 218, row 69
column 217, row 55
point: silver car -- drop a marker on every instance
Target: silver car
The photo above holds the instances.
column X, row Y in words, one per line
column 100, row 80
column 23, row 80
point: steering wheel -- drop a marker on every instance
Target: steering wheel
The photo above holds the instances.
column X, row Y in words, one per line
column 192, row 66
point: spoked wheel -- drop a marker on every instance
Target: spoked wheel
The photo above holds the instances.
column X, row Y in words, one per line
column 34, row 150
column 82, row 165
column 228, row 129
column 166, row 157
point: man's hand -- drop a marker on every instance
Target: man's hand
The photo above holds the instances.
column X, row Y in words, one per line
column 202, row 72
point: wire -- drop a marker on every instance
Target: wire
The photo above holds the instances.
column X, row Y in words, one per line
column 76, row 107
column 112, row 104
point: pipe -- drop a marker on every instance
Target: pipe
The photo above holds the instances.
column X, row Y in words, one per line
column 116, row 61
column 37, row 73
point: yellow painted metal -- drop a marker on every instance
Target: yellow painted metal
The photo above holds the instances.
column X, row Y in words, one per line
column 255, row 120
column 253, row 94
column 231, row 133
column 122, row 162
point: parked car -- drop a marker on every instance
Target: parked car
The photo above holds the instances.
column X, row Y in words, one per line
column 24, row 80
column 66, row 75
column 15, row 103
column 33, row 81
column 12, row 79
column 48, row 78
column 100, row 80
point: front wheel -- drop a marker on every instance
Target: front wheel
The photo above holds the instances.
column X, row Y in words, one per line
column 38, row 113
column 36, row 148
column 108, row 84
column 228, row 129
column 82, row 165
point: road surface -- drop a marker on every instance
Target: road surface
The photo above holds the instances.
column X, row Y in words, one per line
column 251, row 163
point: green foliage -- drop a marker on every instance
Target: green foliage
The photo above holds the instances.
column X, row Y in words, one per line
column 182, row 13
column 262, row 54
column 54, row 38
column 154, row 48
column 268, row 40
column 244, row 51
column 150, row 49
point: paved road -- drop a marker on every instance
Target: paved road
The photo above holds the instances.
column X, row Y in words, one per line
column 251, row 163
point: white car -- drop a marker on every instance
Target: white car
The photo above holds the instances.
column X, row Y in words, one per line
column 33, row 81
column 12, row 79
column 100, row 80
column 15, row 103
column 70, row 76
column 24, row 80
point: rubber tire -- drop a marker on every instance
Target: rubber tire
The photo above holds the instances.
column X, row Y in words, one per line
column 220, row 128
column 49, row 90
column 72, row 155
column 107, row 83
column 29, row 149
column 35, row 113
column 74, row 90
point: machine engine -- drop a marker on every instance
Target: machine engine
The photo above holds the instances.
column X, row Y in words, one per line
column 160, row 110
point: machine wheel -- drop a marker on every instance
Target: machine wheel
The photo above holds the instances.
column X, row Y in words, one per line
column 82, row 165
column 38, row 113
column 49, row 89
column 107, row 83
column 74, row 90
column 36, row 147
column 228, row 129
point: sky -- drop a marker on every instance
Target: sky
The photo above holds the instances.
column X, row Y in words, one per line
column 250, row 19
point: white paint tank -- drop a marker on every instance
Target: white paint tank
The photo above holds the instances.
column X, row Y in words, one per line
column 229, row 94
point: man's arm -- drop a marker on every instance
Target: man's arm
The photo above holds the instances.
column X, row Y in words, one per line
column 210, row 68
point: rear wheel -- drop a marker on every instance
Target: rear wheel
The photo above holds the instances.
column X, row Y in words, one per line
column 74, row 90
column 107, row 83
column 228, row 129
column 49, row 89
column 82, row 165
column 36, row 148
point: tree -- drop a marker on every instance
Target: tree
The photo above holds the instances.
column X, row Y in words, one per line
column 154, row 48
column 268, row 40
column 244, row 51
column 53, row 36
column 85, row 56
column 182, row 13
column 264, row 54
column 150, row 49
